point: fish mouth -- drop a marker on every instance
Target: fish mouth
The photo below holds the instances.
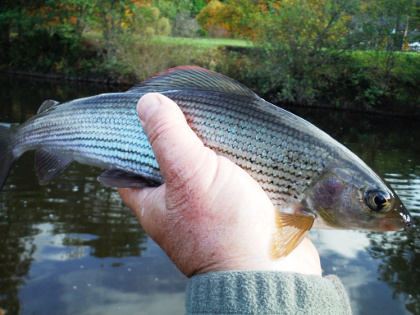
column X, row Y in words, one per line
column 407, row 219
column 396, row 224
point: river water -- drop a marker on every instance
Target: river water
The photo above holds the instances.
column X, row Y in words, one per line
column 71, row 247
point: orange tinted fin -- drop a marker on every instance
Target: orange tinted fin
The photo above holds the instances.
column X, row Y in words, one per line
column 291, row 229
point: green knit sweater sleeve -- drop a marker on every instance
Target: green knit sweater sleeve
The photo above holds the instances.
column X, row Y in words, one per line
column 265, row 292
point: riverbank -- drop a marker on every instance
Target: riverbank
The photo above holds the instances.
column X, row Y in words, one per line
column 351, row 80
column 110, row 80
column 114, row 84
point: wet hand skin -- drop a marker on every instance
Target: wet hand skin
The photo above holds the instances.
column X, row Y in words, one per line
column 210, row 215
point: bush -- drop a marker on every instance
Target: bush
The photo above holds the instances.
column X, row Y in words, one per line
column 39, row 51
column 163, row 27
column 185, row 26
column 139, row 57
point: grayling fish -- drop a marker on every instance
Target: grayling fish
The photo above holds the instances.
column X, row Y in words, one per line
column 313, row 180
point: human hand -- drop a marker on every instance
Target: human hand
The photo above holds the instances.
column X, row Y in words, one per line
column 210, row 215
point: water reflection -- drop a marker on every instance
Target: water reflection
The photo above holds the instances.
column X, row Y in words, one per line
column 72, row 247
column 399, row 267
column 408, row 188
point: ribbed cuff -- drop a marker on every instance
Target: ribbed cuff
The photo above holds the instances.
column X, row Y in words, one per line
column 265, row 292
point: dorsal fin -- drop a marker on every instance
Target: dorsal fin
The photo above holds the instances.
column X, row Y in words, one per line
column 191, row 78
column 47, row 104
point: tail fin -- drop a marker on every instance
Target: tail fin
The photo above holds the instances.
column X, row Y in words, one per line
column 6, row 152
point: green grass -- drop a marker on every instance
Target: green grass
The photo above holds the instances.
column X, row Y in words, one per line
column 366, row 57
column 96, row 38
column 202, row 42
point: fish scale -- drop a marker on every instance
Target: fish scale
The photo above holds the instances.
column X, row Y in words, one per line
column 253, row 141
column 106, row 129
column 100, row 136
column 310, row 178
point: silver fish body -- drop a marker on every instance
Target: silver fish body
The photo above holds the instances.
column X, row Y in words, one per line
column 102, row 131
column 311, row 179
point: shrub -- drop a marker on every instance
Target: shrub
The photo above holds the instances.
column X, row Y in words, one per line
column 185, row 26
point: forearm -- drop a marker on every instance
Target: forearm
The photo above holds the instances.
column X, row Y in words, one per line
column 265, row 292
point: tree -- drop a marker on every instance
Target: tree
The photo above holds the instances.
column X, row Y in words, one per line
column 170, row 8
column 414, row 22
column 299, row 40
column 240, row 18
column 13, row 17
column 383, row 24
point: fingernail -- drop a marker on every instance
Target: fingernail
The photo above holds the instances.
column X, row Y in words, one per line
column 146, row 106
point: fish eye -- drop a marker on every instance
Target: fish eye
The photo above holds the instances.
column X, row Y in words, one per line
column 377, row 200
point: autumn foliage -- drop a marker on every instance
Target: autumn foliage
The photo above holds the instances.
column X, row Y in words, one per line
column 300, row 48
column 260, row 19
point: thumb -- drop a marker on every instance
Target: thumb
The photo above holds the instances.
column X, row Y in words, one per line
column 176, row 147
column 171, row 139
column 179, row 154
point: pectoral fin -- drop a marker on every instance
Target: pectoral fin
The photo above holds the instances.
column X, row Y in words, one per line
column 118, row 178
column 291, row 229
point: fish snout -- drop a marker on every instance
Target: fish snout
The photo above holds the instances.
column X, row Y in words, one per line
column 396, row 224
column 406, row 216
column 408, row 219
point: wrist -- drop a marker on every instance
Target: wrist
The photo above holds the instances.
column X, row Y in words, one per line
column 264, row 292
column 304, row 260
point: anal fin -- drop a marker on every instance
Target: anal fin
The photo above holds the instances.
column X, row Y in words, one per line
column 48, row 165
column 291, row 229
column 118, row 178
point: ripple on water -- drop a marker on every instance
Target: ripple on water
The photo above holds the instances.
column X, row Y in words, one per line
column 408, row 189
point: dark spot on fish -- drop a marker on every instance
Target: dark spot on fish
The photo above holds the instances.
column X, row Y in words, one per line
column 328, row 192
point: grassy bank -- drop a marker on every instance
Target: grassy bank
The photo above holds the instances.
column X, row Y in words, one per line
column 201, row 42
column 357, row 80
